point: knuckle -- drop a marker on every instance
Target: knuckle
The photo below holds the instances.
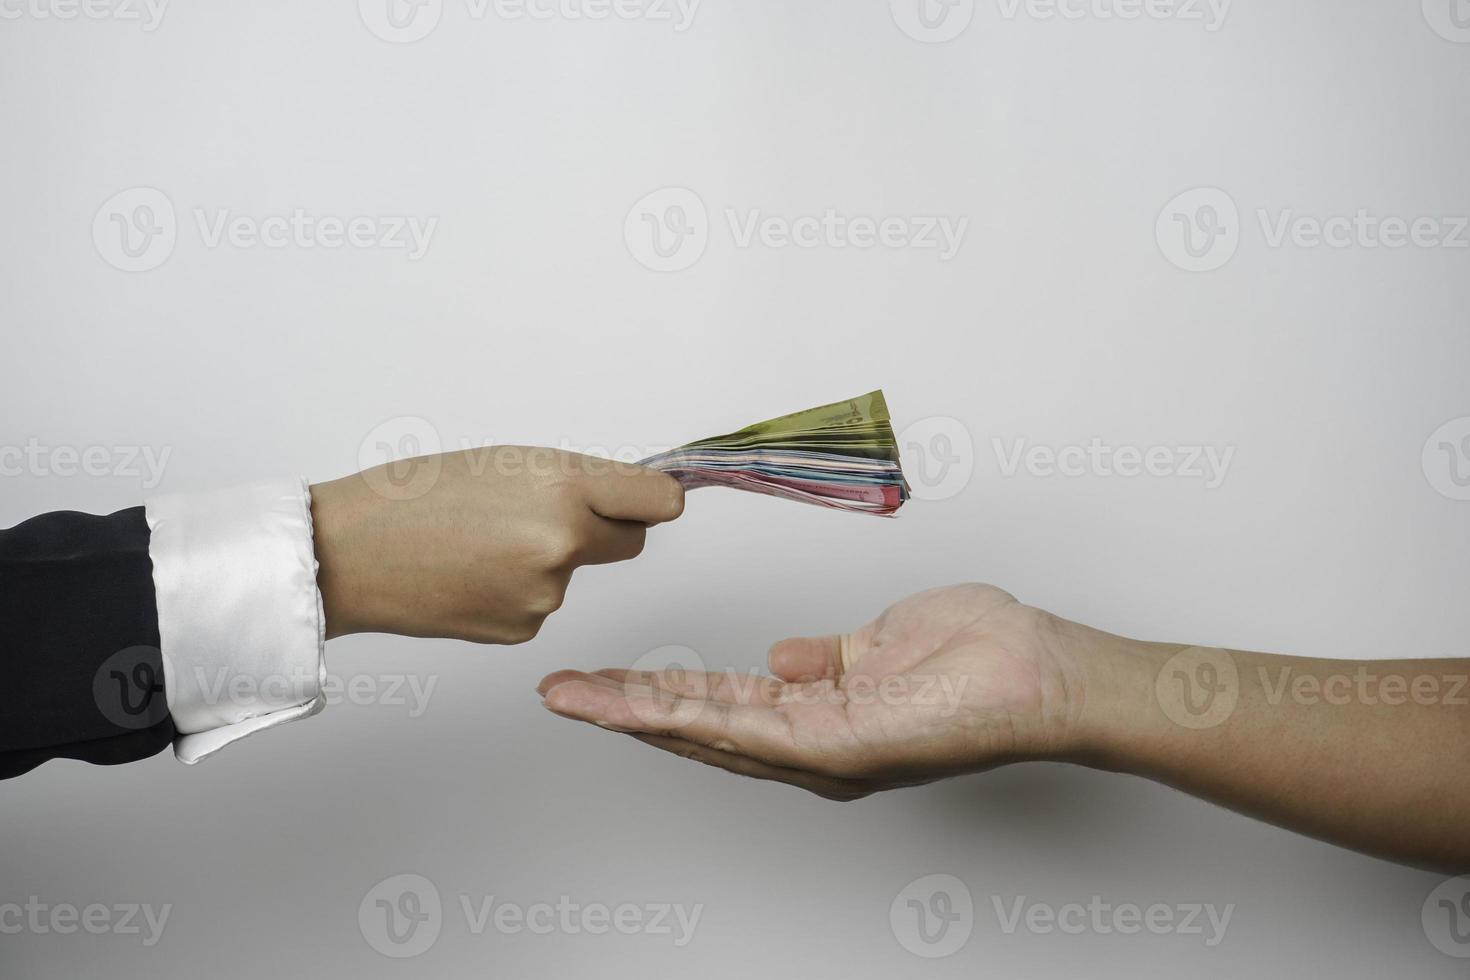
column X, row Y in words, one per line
column 559, row 546
column 524, row 632
column 548, row 599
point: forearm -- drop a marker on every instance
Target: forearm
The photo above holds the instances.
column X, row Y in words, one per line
column 1367, row 754
column 80, row 649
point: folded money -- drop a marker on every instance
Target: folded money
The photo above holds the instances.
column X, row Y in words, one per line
column 842, row 455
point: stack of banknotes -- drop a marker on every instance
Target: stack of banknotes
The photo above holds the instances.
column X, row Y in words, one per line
column 842, row 456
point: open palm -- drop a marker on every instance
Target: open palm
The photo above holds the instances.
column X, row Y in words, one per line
column 949, row 681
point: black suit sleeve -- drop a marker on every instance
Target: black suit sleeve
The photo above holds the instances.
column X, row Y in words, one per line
column 81, row 675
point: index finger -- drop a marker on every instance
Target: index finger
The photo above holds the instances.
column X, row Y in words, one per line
column 758, row 732
column 627, row 492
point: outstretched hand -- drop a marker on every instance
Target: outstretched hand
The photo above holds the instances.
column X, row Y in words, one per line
column 949, row 681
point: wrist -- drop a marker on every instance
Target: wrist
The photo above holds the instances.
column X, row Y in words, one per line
column 1119, row 713
column 334, row 517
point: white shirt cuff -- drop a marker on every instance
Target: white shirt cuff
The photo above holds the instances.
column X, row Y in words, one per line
column 240, row 618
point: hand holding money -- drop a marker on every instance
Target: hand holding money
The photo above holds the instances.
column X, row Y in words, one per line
column 485, row 552
column 485, row 549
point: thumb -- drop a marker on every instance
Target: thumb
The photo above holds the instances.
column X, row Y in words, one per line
column 809, row 658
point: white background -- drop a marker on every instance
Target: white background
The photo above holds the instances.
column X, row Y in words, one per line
column 1060, row 320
